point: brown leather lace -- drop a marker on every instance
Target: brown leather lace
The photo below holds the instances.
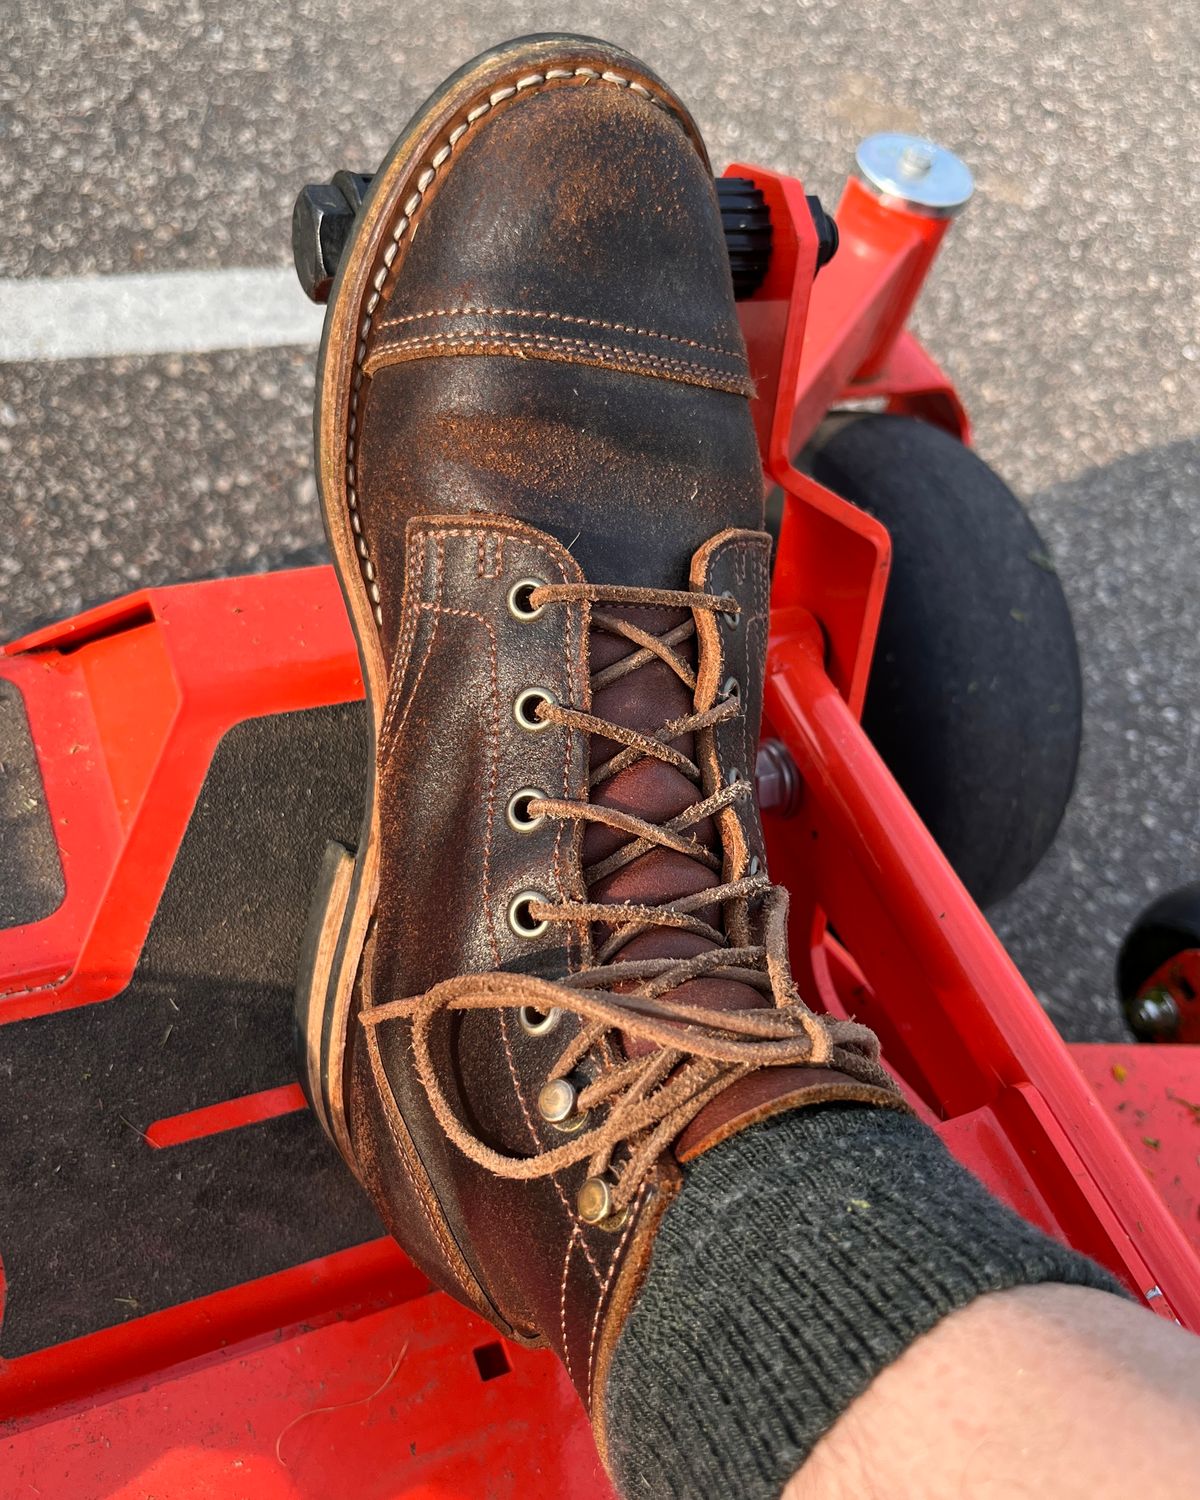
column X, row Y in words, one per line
column 700, row 1052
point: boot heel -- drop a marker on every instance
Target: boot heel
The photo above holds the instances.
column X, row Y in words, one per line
column 324, row 990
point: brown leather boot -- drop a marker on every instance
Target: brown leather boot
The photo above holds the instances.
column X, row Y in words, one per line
column 555, row 968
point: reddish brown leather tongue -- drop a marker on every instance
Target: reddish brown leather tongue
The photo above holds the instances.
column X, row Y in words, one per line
column 645, row 700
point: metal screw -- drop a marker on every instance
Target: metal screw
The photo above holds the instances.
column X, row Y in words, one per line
column 915, row 161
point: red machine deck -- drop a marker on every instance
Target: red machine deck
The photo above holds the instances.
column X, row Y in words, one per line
column 193, row 1297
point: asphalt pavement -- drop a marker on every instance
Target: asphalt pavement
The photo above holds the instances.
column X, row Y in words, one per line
column 139, row 138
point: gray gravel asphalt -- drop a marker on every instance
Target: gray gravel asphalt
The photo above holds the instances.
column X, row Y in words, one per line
column 1067, row 305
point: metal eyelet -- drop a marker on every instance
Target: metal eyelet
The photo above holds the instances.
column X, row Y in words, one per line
column 517, row 812
column 557, row 1105
column 520, row 919
column 536, row 1022
column 732, row 776
column 518, row 598
column 525, row 708
column 732, row 689
column 754, row 866
column 728, row 618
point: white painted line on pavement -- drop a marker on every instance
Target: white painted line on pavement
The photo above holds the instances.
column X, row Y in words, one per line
column 163, row 312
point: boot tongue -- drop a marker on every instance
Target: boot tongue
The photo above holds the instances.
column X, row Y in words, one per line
column 644, row 700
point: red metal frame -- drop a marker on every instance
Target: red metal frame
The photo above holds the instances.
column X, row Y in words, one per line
column 392, row 1402
column 957, row 1021
column 267, row 1388
column 126, row 704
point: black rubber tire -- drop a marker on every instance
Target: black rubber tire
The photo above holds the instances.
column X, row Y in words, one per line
column 975, row 699
column 1168, row 926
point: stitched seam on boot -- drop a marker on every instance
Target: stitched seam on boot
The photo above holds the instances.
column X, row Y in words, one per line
column 423, row 535
column 387, row 750
column 634, row 1213
column 745, row 555
column 423, row 1187
column 508, row 1052
column 484, row 533
column 557, row 317
column 419, row 1180
column 404, row 648
column 491, row 341
column 411, row 208
column 562, row 1302
column 493, row 771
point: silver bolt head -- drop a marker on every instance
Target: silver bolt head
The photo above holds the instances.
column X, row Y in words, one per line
column 915, row 161
column 1154, row 1014
column 918, row 174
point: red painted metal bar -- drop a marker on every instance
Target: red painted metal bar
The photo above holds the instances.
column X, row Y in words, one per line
column 944, row 993
column 861, row 303
column 911, row 383
column 831, row 556
column 375, row 1274
column 230, row 1114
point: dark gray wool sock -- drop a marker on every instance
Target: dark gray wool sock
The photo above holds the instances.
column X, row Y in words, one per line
column 800, row 1258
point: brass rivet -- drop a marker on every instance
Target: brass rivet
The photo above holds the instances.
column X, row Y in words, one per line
column 594, row 1200
column 556, row 1102
column 521, row 920
column 525, row 708
column 536, row 1022
column 518, row 598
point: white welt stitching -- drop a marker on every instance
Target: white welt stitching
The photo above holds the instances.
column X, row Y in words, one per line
column 556, row 317
column 411, row 205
